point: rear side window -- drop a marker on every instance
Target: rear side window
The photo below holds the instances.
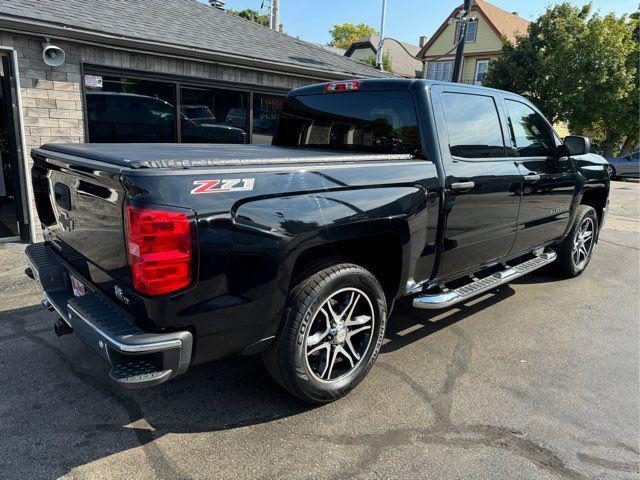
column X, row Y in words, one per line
column 382, row 122
column 531, row 134
column 473, row 125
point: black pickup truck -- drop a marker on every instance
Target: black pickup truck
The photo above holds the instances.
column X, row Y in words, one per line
column 164, row 256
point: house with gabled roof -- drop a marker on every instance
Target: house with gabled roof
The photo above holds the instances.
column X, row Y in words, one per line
column 483, row 43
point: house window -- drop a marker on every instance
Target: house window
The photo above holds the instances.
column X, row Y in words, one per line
column 481, row 71
column 442, row 70
column 472, row 31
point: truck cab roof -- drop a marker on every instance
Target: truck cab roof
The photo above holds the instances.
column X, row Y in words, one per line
column 388, row 84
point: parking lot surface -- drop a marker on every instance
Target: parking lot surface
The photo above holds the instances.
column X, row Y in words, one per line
column 539, row 379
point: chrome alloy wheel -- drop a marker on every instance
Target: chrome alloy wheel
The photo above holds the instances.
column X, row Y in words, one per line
column 583, row 243
column 339, row 334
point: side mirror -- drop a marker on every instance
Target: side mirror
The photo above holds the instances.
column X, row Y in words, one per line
column 577, row 145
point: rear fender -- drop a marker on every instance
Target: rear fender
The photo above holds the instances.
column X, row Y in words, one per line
column 296, row 223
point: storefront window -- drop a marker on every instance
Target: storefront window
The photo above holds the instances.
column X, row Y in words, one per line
column 122, row 109
column 266, row 109
column 128, row 110
column 211, row 115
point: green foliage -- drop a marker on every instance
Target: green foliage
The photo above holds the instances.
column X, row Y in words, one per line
column 386, row 61
column 251, row 15
column 577, row 67
column 345, row 34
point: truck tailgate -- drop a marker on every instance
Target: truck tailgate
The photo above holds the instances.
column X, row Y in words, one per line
column 83, row 209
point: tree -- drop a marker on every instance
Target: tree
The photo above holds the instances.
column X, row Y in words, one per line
column 252, row 15
column 345, row 34
column 386, row 62
column 577, row 67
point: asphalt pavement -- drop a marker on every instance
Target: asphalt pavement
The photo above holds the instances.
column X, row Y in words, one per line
column 539, row 379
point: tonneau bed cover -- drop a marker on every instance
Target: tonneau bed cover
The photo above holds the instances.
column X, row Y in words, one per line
column 174, row 155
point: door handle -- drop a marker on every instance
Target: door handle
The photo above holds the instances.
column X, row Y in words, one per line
column 462, row 185
column 532, row 177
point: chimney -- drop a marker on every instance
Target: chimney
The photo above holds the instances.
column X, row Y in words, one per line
column 217, row 4
column 423, row 41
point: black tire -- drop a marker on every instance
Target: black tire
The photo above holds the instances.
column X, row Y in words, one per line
column 567, row 266
column 287, row 359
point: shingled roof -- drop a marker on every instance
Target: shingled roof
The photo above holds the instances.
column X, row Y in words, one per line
column 509, row 24
column 184, row 27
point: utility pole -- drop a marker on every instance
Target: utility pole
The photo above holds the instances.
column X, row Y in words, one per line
column 276, row 14
column 271, row 15
column 464, row 21
column 381, row 37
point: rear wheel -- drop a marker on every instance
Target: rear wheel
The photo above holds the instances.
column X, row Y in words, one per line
column 332, row 332
column 575, row 251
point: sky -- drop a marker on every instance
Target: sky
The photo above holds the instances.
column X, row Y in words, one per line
column 406, row 20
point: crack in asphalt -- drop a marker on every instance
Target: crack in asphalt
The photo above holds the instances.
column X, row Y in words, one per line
column 157, row 459
column 444, row 431
column 630, row 467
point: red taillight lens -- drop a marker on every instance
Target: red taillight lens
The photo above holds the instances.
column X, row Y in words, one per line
column 161, row 244
column 349, row 86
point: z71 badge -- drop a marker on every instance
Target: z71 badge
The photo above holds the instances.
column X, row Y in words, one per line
column 223, row 185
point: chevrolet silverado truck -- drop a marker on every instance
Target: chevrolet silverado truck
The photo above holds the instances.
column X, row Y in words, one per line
column 164, row 256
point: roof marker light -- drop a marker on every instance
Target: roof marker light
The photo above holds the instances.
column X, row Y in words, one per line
column 350, row 86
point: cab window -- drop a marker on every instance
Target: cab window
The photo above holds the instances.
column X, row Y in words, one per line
column 530, row 133
column 473, row 125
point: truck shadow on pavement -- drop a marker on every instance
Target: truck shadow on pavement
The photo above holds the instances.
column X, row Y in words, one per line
column 59, row 410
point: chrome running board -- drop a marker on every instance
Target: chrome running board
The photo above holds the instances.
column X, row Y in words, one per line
column 447, row 298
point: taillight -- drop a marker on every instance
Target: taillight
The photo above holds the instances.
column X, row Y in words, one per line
column 349, row 86
column 161, row 243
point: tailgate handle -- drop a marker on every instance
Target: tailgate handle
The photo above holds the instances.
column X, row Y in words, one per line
column 92, row 190
column 62, row 195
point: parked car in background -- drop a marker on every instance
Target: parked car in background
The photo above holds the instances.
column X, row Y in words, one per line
column 198, row 114
column 237, row 117
column 625, row 167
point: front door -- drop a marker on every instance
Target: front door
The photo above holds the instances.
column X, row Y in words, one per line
column 482, row 185
column 549, row 182
column 9, row 224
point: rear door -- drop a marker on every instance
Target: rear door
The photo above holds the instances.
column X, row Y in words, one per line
column 482, row 185
column 549, row 181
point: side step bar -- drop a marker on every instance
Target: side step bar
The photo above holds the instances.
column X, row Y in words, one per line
column 447, row 298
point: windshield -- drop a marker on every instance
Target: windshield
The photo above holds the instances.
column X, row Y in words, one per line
column 383, row 122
